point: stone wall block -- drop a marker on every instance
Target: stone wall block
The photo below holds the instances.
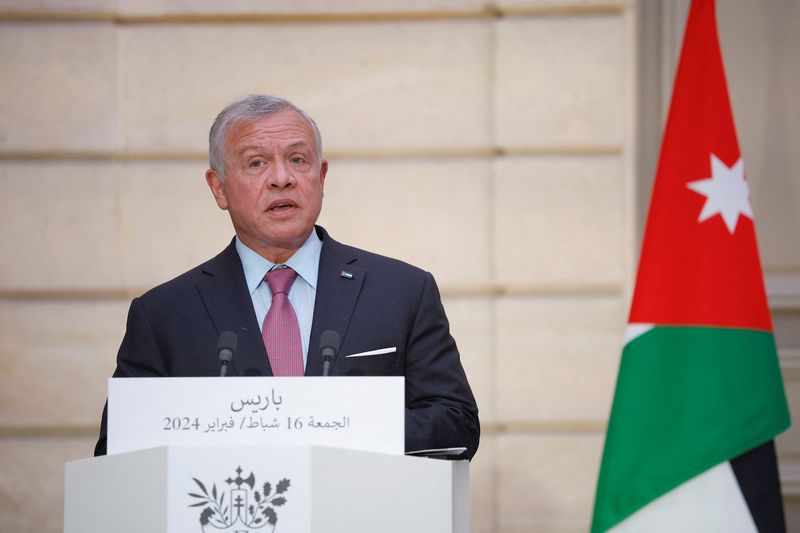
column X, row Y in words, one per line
column 59, row 87
column 557, row 357
column 169, row 221
column 433, row 214
column 385, row 86
column 56, row 357
column 32, row 481
column 60, row 6
column 560, row 221
column 560, row 81
column 472, row 326
column 567, row 6
column 297, row 7
column 483, row 486
column 546, row 483
column 59, row 226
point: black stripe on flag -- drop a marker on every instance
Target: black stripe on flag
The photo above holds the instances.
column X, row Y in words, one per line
column 757, row 474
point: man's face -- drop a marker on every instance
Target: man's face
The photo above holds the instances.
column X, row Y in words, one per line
column 274, row 183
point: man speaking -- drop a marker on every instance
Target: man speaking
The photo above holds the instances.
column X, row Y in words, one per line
column 283, row 281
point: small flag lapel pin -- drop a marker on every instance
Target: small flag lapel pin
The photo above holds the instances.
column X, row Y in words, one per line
column 345, row 274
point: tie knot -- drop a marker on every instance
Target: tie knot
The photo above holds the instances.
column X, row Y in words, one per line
column 280, row 280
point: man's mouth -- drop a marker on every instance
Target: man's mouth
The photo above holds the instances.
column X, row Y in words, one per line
column 280, row 206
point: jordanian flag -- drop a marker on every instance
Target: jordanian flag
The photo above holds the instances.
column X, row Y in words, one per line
column 699, row 395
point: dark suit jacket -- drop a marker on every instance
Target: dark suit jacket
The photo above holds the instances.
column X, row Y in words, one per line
column 172, row 330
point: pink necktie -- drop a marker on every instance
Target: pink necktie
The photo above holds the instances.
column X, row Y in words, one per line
column 281, row 332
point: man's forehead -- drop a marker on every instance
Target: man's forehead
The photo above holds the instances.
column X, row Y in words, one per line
column 281, row 126
column 280, row 119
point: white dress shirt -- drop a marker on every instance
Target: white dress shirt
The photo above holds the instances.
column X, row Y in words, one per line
column 305, row 262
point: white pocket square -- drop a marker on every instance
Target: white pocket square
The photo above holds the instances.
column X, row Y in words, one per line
column 373, row 352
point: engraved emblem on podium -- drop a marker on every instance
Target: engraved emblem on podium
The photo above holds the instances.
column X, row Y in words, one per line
column 240, row 507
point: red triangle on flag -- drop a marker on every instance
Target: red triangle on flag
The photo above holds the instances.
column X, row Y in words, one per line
column 699, row 263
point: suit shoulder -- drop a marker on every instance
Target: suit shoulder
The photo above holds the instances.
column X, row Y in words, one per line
column 371, row 260
column 180, row 285
column 176, row 284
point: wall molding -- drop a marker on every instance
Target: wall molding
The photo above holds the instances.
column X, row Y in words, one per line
column 783, row 290
column 487, row 12
column 586, row 150
column 488, row 290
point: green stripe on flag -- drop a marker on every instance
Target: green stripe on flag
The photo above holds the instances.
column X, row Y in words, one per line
column 687, row 398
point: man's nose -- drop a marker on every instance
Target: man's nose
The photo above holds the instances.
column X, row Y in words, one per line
column 281, row 176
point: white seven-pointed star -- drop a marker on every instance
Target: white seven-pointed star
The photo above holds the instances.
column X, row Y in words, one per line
column 726, row 193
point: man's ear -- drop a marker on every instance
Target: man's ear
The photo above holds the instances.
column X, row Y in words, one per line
column 217, row 187
column 323, row 171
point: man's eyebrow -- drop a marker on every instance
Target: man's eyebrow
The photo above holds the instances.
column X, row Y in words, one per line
column 256, row 147
column 252, row 147
column 298, row 144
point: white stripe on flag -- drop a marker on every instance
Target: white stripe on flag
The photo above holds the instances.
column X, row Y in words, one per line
column 635, row 329
column 709, row 503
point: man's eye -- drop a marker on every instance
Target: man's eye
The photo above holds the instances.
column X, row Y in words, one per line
column 256, row 164
column 297, row 160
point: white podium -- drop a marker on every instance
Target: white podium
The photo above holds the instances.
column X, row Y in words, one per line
column 270, row 489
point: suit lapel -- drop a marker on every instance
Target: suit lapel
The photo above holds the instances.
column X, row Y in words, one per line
column 338, row 286
column 223, row 290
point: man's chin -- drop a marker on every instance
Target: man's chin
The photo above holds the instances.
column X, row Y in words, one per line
column 286, row 240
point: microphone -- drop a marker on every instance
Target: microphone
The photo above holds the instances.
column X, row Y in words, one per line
column 328, row 346
column 226, row 347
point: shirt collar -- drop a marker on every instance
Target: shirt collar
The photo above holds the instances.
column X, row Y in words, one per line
column 305, row 261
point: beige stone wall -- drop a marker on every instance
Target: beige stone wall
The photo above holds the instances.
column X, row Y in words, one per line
column 491, row 143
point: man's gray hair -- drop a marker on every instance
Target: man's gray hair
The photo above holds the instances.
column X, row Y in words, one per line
column 248, row 109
